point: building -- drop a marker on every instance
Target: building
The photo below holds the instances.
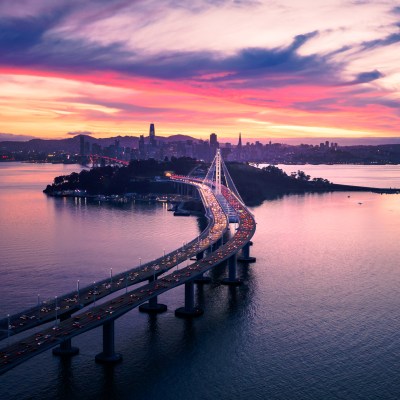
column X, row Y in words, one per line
column 152, row 136
column 142, row 149
column 213, row 145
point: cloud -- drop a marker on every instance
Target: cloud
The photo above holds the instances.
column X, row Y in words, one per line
column 15, row 138
column 27, row 44
column 386, row 41
column 125, row 107
column 396, row 10
column 83, row 65
column 85, row 133
column 365, row 77
column 324, row 105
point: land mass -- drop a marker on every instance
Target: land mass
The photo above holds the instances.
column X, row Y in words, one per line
column 149, row 176
column 80, row 147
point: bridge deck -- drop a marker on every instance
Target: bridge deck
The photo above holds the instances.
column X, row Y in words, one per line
column 69, row 303
column 27, row 348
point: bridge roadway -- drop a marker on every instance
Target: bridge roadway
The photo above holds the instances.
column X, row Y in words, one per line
column 109, row 159
column 106, row 313
column 72, row 302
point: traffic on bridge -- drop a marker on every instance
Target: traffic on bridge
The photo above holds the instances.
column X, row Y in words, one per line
column 63, row 306
column 105, row 314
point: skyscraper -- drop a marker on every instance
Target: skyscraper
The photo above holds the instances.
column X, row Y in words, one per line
column 240, row 140
column 213, row 144
column 239, row 150
column 142, row 149
column 152, row 135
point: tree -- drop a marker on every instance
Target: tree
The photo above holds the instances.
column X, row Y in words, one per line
column 301, row 176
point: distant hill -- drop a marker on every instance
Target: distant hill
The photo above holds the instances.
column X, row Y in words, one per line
column 14, row 138
column 72, row 144
column 176, row 138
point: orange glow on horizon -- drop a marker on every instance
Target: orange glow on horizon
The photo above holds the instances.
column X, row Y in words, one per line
column 284, row 75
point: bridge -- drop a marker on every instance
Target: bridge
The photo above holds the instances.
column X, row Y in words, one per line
column 212, row 247
column 99, row 160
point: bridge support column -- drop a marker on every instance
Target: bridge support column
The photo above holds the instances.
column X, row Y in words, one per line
column 246, row 254
column 232, row 280
column 189, row 310
column 108, row 355
column 66, row 349
column 201, row 279
column 153, row 307
column 200, row 255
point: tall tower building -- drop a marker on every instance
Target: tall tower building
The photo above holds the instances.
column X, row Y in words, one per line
column 239, row 150
column 240, row 140
column 142, row 149
column 213, row 145
column 152, row 135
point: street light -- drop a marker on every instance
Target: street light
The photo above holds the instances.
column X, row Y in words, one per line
column 140, row 262
column 111, row 277
column 94, row 294
column 38, row 303
column 77, row 289
column 8, row 329
column 56, row 309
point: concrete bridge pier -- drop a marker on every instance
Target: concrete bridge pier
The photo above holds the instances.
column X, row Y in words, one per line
column 201, row 279
column 152, row 306
column 232, row 279
column 246, row 254
column 65, row 349
column 214, row 246
column 189, row 310
column 200, row 256
column 108, row 355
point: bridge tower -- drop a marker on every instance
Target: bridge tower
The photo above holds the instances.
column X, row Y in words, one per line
column 218, row 172
column 217, row 176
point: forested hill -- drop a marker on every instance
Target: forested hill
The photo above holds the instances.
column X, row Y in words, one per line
column 254, row 185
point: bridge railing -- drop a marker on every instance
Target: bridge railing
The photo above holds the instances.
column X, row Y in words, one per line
column 100, row 314
column 75, row 302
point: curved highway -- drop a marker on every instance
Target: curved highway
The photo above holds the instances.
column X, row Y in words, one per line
column 72, row 302
column 27, row 348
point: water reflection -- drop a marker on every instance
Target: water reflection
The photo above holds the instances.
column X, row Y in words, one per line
column 317, row 316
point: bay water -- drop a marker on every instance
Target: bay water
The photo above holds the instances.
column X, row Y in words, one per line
column 317, row 317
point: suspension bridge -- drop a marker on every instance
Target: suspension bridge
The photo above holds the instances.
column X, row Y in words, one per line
column 223, row 205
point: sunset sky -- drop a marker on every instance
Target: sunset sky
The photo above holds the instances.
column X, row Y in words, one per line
column 268, row 69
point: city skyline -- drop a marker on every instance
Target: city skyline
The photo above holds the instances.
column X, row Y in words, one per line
column 268, row 70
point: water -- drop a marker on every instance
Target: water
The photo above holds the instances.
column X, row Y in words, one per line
column 317, row 317
column 379, row 176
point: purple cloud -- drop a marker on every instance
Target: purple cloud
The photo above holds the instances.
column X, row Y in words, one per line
column 15, row 138
column 84, row 133
column 365, row 77
column 26, row 42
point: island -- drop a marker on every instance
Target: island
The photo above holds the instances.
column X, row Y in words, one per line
column 151, row 177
